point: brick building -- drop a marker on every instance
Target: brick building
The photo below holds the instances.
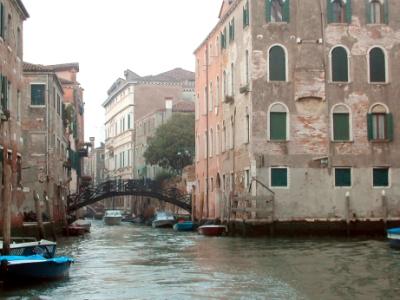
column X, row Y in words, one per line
column 12, row 16
column 296, row 110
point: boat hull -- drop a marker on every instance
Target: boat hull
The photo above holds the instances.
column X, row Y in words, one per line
column 112, row 220
column 184, row 226
column 35, row 269
column 212, row 230
column 163, row 223
column 393, row 235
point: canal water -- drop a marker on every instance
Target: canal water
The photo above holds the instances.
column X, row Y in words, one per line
column 139, row 262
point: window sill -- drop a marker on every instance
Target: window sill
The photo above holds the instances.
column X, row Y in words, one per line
column 342, row 141
column 37, row 106
column 339, row 24
column 278, row 23
column 278, row 141
column 279, row 187
column 340, row 83
column 378, row 84
column 380, row 141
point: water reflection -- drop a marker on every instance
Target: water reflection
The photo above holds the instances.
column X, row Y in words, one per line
column 138, row 262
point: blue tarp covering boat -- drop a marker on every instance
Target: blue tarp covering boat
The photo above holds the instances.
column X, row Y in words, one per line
column 393, row 235
column 184, row 226
column 34, row 267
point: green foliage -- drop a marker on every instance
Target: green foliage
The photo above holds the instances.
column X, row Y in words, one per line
column 173, row 145
column 163, row 175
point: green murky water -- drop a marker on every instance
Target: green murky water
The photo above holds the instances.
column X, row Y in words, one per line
column 138, row 262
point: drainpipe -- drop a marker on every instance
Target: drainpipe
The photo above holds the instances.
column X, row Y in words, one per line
column 207, row 136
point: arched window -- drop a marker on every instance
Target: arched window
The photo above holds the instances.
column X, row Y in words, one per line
column 210, row 102
column 277, row 63
column 211, row 143
column 341, row 123
column 377, row 11
column 339, row 64
column 277, row 10
column 377, row 65
column 380, row 123
column 278, row 122
column 339, row 11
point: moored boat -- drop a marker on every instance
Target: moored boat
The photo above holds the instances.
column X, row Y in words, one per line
column 184, row 226
column 42, row 247
column 212, row 230
column 393, row 235
column 33, row 268
column 85, row 224
column 112, row 217
column 163, row 220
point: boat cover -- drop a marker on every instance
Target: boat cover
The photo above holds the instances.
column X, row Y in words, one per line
column 35, row 258
column 394, row 230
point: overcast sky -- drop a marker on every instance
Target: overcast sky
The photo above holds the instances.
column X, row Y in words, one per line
column 108, row 37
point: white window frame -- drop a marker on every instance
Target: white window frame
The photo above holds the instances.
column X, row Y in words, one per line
column 350, row 122
column 389, row 178
column 387, row 79
column 270, row 178
column 348, row 65
column 351, row 178
column 287, row 121
column 286, row 63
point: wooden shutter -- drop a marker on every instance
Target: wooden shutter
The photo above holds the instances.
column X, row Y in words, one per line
column 2, row 22
column 342, row 177
column 277, row 64
column 377, row 65
column 348, row 11
column 386, row 11
column 370, row 130
column 4, row 90
column 279, row 177
column 368, row 16
column 277, row 126
column 286, row 11
column 329, row 11
column 389, row 127
column 381, row 177
column 341, row 128
column 268, row 10
column 340, row 65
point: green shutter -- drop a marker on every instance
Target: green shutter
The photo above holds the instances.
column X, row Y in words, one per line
column 348, row 11
column 277, row 64
column 340, row 67
column 381, row 177
column 1, row 155
column 386, row 11
column 368, row 17
column 377, row 65
column 370, row 130
column 286, row 11
column 329, row 11
column 4, row 90
column 268, row 10
column 389, row 127
column 341, row 128
column 279, row 177
column 342, row 177
column 277, row 126
column 1, row 20
column 37, row 94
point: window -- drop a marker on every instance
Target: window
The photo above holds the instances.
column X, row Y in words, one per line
column 210, row 105
column 59, row 105
column 339, row 64
column 129, row 121
column 223, row 39
column 380, row 177
column 217, row 93
column 246, row 15
column 247, row 67
column 224, row 146
column 380, row 124
column 232, row 80
column 377, row 11
column 205, row 101
column 211, row 147
column 341, row 123
column 339, row 11
column 18, row 106
column 231, row 30
column 279, row 177
column 247, row 178
column 4, row 92
column 277, row 10
column 37, row 94
column 217, row 140
column 278, row 122
column 2, row 23
column 277, row 63
column 205, row 145
column 377, row 65
column 342, row 177
column 225, row 85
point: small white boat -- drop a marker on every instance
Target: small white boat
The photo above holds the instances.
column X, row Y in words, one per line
column 85, row 224
column 163, row 219
column 112, row 217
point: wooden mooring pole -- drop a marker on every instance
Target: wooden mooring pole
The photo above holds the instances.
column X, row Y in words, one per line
column 39, row 217
column 385, row 211
column 6, row 205
column 347, row 209
column 51, row 218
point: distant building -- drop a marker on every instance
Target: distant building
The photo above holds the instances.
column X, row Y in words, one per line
column 94, row 163
column 12, row 92
column 296, row 113
column 45, row 169
column 146, row 127
column 128, row 100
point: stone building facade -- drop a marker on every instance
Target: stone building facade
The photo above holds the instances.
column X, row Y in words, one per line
column 45, row 148
column 12, row 16
column 128, row 100
column 296, row 113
